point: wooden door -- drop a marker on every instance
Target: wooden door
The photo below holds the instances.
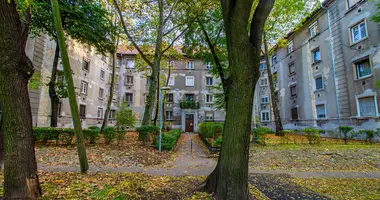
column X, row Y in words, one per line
column 189, row 126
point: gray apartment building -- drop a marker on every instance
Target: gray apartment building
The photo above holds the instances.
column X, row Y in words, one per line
column 329, row 74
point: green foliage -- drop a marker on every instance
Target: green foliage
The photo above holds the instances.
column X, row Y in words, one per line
column 313, row 135
column 109, row 134
column 376, row 17
column 91, row 134
column 210, row 129
column 125, row 118
column 346, row 131
column 259, row 134
column 378, row 84
column 189, row 104
column 44, row 134
column 169, row 139
column 120, row 136
column 144, row 131
column 35, row 81
column 219, row 141
column 370, row 135
column 66, row 138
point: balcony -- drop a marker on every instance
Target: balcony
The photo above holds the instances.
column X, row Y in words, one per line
column 189, row 104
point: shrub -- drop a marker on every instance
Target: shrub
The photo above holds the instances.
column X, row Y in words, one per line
column 345, row 130
column 169, row 139
column 313, row 135
column 259, row 134
column 219, row 141
column 91, row 134
column 370, row 134
column 210, row 129
column 66, row 138
column 43, row 134
column 120, row 136
column 125, row 118
column 109, row 134
column 144, row 131
column 217, row 129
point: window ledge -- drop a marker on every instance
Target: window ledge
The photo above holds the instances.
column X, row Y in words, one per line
column 365, row 117
column 364, row 77
column 293, row 97
column 316, row 62
column 353, row 7
column 319, row 90
column 359, row 41
column 314, row 36
column 323, row 119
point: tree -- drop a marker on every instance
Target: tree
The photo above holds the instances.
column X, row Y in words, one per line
column 244, row 48
column 376, row 17
column 20, row 167
column 165, row 31
column 84, row 21
column 70, row 88
column 125, row 118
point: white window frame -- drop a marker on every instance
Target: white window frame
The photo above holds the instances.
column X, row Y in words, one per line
column 85, row 60
column 264, row 64
column 265, row 80
column 212, row 81
column 111, row 114
column 261, row 116
column 290, row 90
column 102, row 72
column 167, row 116
column 189, row 78
column 351, row 28
column 126, row 100
column 350, row 6
column 356, row 71
column 101, row 114
column 274, row 58
column 316, row 110
column 374, row 96
column 84, row 87
column 315, row 83
column 126, row 80
column 101, row 93
column 190, row 66
column 171, row 81
column 264, row 97
column 211, row 97
column 130, row 66
column 313, row 57
column 208, row 65
column 290, row 46
column 314, row 29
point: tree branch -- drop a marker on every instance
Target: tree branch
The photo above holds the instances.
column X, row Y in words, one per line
column 262, row 12
column 218, row 36
column 129, row 36
column 175, row 39
column 170, row 12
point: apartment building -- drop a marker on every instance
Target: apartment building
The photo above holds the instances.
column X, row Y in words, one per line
column 188, row 102
column 329, row 73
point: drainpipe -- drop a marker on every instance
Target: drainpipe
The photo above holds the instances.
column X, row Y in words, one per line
column 333, row 64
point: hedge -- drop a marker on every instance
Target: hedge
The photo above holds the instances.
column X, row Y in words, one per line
column 144, row 131
column 64, row 135
column 210, row 129
column 169, row 139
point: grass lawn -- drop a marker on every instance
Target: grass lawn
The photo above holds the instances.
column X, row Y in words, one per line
column 330, row 155
column 345, row 189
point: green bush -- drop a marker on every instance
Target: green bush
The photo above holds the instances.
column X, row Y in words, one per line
column 109, row 134
column 91, row 134
column 43, row 134
column 219, row 141
column 313, row 135
column 259, row 134
column 210, row 129
column 370, row 134
column 66, row 138
column 120, row 136
column 169, row 139
column 345, row 131
column 144, row 131
column 125, row 118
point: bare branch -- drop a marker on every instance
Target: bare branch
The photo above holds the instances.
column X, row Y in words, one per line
column 170, row 12
column 218, row 36
column 175, row 39
column 262, row 11
column 129, row 36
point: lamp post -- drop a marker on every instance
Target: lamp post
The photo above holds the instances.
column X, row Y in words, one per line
column 160, row 110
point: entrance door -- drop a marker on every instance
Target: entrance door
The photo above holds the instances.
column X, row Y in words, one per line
column 189, row 126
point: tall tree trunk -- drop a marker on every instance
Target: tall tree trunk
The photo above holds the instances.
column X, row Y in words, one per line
column 70, row 89
column 164, row 99
column 157, row 100
column 20, row 167
column 54, row 100
column 1, row 140
column 155, row 68
column 274, row 97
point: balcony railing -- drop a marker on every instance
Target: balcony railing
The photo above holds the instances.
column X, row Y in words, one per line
column 189, row 104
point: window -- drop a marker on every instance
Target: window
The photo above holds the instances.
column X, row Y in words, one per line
column 316, row 55
column 169, row 97
column 294, row 112
column 274, row 59
column 265, row 116
column 189, row 97
column 313, row 29
column 129, row 97
column 274, row 77
column 351, row 3
column 319, row 83
column 209, row 81
column 171, row 81
column 130, row 64
column 190, row 65
column 102, row 74
column 209, row 116
column 292, row 69
column 293, row 91
column 59, row 109
column 86, row 65
column 111, row 114
column 84, row 87
column 321, row 111
column 101, row 93
column 367, row 106
column 209, row 98
column 264, row 99
column 262, row 66
column 82, row 111
column 264, row 82
column 169, row 115
column 100, row 113
column 363, row 68
column 358, row 32
column 290, row 46
column 189, row 81
column 148, row 81
column 208, row 65
column 129, row 80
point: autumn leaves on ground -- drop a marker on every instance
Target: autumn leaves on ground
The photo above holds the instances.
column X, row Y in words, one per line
column 330, row 156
